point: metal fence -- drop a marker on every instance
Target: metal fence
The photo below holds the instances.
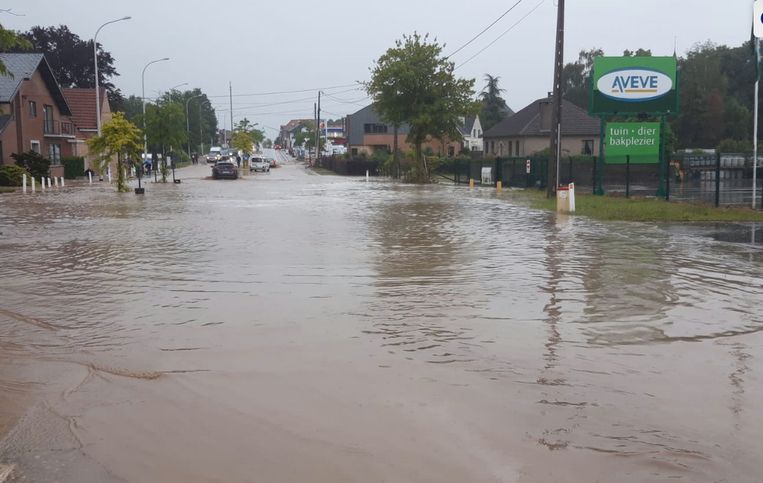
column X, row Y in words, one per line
column 720, row 179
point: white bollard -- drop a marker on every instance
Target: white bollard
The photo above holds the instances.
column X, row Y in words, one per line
column 366, row 176
column 49, row 185
column 55, row 181
column 62, row 182
column 23, row 183
column 109, row 173
column 42, row 183
column 34, row 188
column 90, row 177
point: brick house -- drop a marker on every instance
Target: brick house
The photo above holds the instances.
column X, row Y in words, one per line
column 34, row 114
column 367, row 133
column 81, row 102
column 529, row 131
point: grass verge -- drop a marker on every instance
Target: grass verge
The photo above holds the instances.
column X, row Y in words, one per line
column 640, row 209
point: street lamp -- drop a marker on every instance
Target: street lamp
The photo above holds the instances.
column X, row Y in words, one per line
column 95, row 61
column 143, row 97
column 188, row 123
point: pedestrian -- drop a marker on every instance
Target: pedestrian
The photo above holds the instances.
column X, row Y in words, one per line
column 238, row 160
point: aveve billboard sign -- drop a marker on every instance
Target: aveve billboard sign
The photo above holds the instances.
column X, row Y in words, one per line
column 625, row 85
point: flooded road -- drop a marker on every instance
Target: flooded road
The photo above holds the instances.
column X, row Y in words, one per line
column 297, row 327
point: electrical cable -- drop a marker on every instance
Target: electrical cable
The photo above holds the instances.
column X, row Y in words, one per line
column 500, row 36
column 484, row 30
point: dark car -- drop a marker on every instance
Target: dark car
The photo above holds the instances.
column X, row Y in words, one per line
column 225, row 169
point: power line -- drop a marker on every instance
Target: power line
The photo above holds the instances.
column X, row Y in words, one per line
column 290, row 92
column 500, row 36
column 484, row 30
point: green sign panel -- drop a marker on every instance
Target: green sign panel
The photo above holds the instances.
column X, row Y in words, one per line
column 634, row 85
column 639, row 140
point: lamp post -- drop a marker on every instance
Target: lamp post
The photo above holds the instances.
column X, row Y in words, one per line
column 143, row 98
column 97, row 82
column 188, row 122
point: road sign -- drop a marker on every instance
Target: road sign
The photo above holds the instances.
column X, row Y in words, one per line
column 529, row 166
column 757, row 18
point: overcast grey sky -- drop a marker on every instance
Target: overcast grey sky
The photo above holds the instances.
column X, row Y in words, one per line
column 299, row 44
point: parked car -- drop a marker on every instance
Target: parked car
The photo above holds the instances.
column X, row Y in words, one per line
column 259, row 164
column 225, row 169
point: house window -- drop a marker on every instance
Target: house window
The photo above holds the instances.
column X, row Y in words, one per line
column 492, row 147
column 54, row 153
column 32, row 109
column 474, row 133
column 47, row 114
column 375, row 128
column 587, row 149
column 35, row 146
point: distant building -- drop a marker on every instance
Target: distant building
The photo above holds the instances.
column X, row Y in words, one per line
column 471, row 130
column 529, row 130
column 289, row 131
column 34, row 114
column 82, row 104
column 367, row 133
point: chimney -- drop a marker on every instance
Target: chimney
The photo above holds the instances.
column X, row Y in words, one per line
column 545, row 115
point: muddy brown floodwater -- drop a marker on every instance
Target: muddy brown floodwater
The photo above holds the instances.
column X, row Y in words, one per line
column 296, row 327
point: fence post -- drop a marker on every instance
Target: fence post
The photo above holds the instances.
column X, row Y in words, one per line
column 628, row 176
column 593, row 175
column 667, row 183
column 569, row 177
column 717, row 179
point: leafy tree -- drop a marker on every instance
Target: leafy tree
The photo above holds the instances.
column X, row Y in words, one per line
column 414, row 83
column 267, row 143
column 35, row 163
column 637, row 53
column 71, row 59
column 11, row 41
column 133, row 110
column 306, row 135
column 493, row 106
column 121, row 138
column 244, row 137
column 165, row 128
column 576, row 77
column 202, row 120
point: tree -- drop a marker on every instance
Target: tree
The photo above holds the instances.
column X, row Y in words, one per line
column 493, row 106
column 165, row 128
column 34, row 162
column 71, row 59
column 414, row 83
column 306, row 135
column 11, row 41
column 202, row 120
column 121, row 138
column 267, row 143
column 244, row 137
column 575, row 77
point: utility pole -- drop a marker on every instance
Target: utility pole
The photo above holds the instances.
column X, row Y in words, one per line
column 556, row 110
column 230, row 88
column 318, row 128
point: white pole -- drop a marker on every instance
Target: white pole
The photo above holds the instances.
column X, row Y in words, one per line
column 90, row 177
column 34, row 188
column 366, row 176
column 108, row 172
column 755, row 125
column 42, row 183
column 62, row 182
column 49, row 183
column 23, row 182
column 55, row 181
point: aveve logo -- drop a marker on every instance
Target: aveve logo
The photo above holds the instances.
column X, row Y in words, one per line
column 634, row 85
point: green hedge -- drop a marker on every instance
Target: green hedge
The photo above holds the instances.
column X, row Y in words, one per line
column 11, row 175
column 74, row 167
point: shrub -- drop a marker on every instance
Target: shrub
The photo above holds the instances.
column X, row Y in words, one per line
column 735, row 146
column 73, row 167
column 33, row 162
column 11, row 175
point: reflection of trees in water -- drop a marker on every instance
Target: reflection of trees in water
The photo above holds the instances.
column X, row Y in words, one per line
column 420, row 272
